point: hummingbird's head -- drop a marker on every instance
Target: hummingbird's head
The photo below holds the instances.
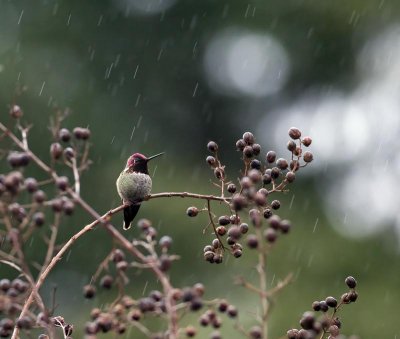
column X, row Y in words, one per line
column 138, row 162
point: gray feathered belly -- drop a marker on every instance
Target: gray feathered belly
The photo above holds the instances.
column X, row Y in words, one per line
column 133, row 186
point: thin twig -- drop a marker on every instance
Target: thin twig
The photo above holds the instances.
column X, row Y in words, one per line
column 76, row 176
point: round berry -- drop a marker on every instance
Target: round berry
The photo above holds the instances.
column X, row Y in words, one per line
column 282, row 163
column 212, row 147
column 248, row 152
column 192, row 211
column 256, row 149
column 306, row 141
column 248, row 138
column 211, row 161
column 275, row 205
column 240, row 144
column 271, row 156
column 64, row 134
column 331, row 302
column 81, row 133
column 231, row 188
column 308, row 156
column 351, row 282
column 56, row 150
column 291, row 145
column 294, row 133
column 89, row 291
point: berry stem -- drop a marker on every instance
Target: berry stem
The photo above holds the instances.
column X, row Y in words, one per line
column 263, row 283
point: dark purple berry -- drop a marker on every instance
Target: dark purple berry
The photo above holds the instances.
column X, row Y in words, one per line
column 351, row 282
column 256, row 149
column 192, row 211
column 306, row 141
column 212, row 146
column 294, row 133
column 89, row 291
column 271, row 156
column 331, row 302
column 64, row 134
column 240, row 144
column 81, row 133
column 308, row 156
column 291, row 145
column 211, row 161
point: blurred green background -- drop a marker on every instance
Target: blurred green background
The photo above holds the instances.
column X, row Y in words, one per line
column 170, row 75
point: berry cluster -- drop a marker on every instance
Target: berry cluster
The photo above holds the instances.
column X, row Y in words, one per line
column 29, row 206
column 258, row 181
column 125, row 311
column 328, row 323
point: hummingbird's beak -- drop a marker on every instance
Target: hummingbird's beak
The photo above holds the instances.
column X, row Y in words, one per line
column 154, row 156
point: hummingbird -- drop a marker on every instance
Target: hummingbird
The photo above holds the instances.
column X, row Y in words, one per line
column 134, row 184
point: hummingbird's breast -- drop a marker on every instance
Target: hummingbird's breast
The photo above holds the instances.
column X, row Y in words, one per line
column 133, row 186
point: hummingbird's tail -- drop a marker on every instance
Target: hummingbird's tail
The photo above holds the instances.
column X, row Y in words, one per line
column 129, row 214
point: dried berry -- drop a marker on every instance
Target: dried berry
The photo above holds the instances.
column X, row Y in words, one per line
column 271, row 156
column 292, row 334
column 211, row 161
column 285, row 226
column 69, row 153
column 31, row 185
column 38, row 218
column 316, row 306
column 219, row 173
column 244, row 228
column 294, row 133
column 18, row 159
column 232, row 311
column 64, row 134
column 212, row 146
column 5, row 284
column 270, row 235
column 190, row 331
column 231, row 188
column 275, row 172
column 323, row 306
column 275, row 204
column 106, row 281
column 282, row 164
column 308, row 156
column 306, row 141
column 221, row 230
column 56, row 150
column 267, row 213
column 89, row 291
column 255, row 164
column 248, row 152
column 24, row 323
column 351, row 282
column 240, row 144
column 353, row 295
column 307, row 321
column 192, row 211
column 290, row 177
column 291, row 145
column 224, row 220
column 62, row 183
column 331, row 302
column 68, row 206
column 81, row 133
column 256, row 149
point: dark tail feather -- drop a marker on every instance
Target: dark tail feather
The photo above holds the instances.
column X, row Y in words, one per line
column 129, row 214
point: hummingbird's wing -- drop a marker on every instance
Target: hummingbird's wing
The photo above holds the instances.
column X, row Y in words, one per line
column 129, row 214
